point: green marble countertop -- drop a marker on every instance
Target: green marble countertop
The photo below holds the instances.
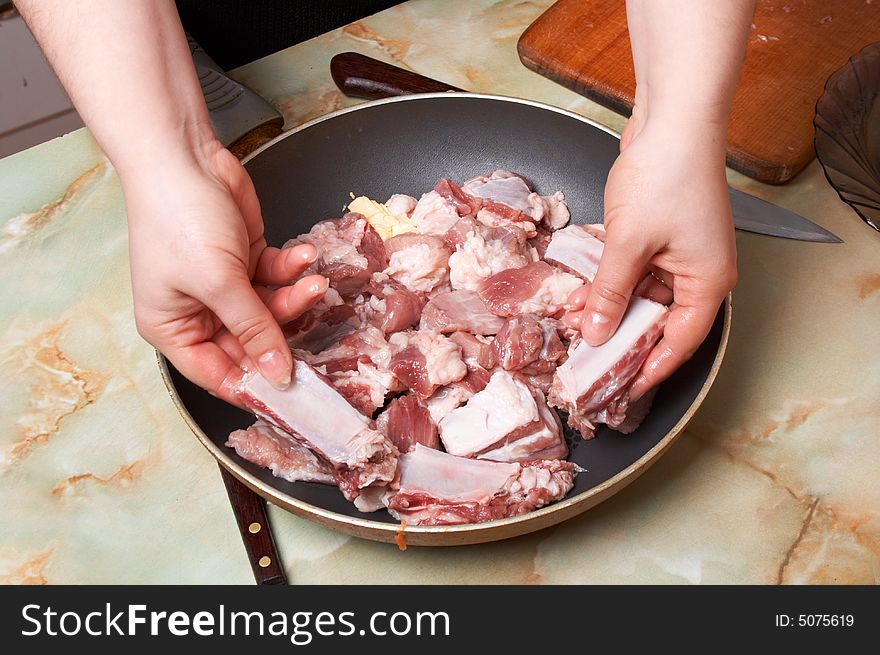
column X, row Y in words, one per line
column 775, row 480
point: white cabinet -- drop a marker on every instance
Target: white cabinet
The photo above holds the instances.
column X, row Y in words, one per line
column 33, row 105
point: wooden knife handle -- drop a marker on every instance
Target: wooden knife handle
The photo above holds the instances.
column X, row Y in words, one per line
column 253, row 524
column 364, row 77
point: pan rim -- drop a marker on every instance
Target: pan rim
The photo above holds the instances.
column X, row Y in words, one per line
column 471, row 532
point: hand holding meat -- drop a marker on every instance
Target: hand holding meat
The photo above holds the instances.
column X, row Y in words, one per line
column 660, row 248
column 200, row 266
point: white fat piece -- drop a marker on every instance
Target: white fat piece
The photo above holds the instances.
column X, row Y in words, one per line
column 433, row 214
column 577, row 249
column 586, row 363
column 552, row 295
column 502, row 407
column 453, row 479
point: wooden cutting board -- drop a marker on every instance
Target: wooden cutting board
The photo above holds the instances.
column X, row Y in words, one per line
column 793, row 47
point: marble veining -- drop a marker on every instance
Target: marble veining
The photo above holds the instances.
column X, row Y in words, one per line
column 774, row 481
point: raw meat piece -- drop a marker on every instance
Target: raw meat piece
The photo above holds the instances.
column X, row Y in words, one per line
column 358, row 367
column 476, row 351
column 425, row 360
column 314, row 412
column 593, row 376
column 349, row 252
column 545, row 442
column 401, row 204
column 436, row 488
column 530, row 344
column 366, row 344
column 393, row 307
column 434, row 214
column 510, row 190
column 505, row 411
column 535, row 289
column 324, row 324
column 519, row 342
column 450, row 311
column 407, row 422
column 540, row 241
column 445, row 399
column 626, row 416
column 420, row 262
column 267, row 446
column 577, row 250
column 481, row 252
column 465, row 204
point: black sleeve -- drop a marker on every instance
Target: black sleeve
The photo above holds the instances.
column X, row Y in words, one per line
column 235, row 32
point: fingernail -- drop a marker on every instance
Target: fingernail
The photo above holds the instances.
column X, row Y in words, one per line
column 311, row 255
column 319, row 287
column 596, row 330
column 274, row 368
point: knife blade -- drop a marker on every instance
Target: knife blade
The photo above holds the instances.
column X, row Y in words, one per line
column 364, row 77
column 752, row 214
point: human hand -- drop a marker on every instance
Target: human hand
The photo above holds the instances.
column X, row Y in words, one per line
column 667, row 212
column 201, row 271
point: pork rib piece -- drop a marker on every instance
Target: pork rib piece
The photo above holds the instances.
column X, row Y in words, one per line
column 349, row 252
column 314, row 412
column 451, row 311
column 529, row 343
column 391, row 305
column 425, row 360
column 495, row 420
column 481, row 252
column 435, row 488
column 535, row 289
column 593, row 376
column 407, row 422
column 577, row 249
column 503, row 190
column 358, row 367
column 267, row 446
column 546, row 441
column 419, row 262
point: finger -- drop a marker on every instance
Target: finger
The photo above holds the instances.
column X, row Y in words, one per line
column 686, row 327
column 277, row 267
column 207, row 365
column 573, row 319
column 233, row 348
column 578, row 298
column 624, row 261
column 653, row 289
column 240, row 309
column 288, row 303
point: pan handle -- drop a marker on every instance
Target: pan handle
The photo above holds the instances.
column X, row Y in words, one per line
column 364, row 77
column 253, row 524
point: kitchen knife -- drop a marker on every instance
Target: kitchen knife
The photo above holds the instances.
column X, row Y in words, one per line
column 364, row 77
column 242, row 121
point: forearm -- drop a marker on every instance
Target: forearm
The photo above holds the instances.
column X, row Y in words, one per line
column 687, row 56
column 127, row 68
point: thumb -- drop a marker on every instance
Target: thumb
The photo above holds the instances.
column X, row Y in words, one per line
column 248, row 319
column 621, row 268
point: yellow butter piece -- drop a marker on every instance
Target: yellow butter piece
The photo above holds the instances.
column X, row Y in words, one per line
column 383, row 221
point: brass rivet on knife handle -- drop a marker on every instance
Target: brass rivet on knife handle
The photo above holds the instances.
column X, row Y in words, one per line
column 250, row 513
column 360, row 76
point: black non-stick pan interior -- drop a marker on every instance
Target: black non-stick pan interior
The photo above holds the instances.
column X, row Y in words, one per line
column 405, row 146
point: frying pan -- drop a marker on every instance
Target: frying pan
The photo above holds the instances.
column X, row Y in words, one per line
column 404, row 145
